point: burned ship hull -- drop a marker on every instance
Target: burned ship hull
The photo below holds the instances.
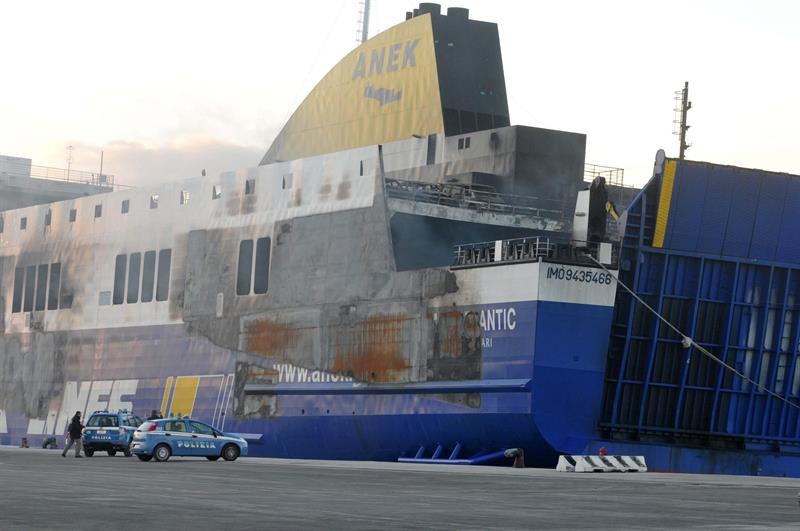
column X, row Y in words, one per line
column 343, row 356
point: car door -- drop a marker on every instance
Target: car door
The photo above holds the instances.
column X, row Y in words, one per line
column 130, row 423
column 205, row 440
column 176, row 432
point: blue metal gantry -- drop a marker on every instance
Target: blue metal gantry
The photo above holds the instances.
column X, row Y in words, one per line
column 716, row 251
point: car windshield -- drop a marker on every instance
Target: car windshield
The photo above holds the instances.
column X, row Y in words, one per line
column 133, row 421
column 146, row 425
column 103, row 421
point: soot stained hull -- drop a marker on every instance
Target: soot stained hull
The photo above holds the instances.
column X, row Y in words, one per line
column 507, row 403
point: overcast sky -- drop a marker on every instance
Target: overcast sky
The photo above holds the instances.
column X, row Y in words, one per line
column 167, row 88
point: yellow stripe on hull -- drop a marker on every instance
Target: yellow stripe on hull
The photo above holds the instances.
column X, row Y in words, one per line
column 165, row 400
column 664, row 201
column 184, row 395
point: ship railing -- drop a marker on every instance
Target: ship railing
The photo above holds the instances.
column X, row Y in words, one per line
column 532, row 249
column 613, row 176
column 475, row 197
column 101, row 180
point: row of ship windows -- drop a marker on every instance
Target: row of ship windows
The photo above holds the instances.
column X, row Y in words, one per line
column 125, row 206
column 39, row 287
column 253, row 278
column 137, row 269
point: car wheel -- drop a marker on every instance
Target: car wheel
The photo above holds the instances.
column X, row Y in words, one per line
column 126, row 452
column 143, row 457
column 88, row 451
column 230, row 452
column 162, row 452
column 212, row 457
column 112, row 453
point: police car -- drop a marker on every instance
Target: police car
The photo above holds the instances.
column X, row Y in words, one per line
column 163, row 438
column 110, row 432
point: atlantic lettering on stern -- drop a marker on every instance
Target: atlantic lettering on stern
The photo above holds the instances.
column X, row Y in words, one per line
column 498, row 319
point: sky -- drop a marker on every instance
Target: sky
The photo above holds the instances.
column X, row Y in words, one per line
column 168, row 88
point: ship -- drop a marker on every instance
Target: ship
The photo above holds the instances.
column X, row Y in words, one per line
column 407, row 276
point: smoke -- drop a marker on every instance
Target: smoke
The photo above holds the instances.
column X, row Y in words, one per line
column 137, row 164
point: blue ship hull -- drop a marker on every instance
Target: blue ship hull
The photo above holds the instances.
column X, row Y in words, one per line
column 539, row 389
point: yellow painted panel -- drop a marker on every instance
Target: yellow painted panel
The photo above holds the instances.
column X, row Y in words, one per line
column 185, row 393
column 387, row 89
column 664, row 201
column 165, row 400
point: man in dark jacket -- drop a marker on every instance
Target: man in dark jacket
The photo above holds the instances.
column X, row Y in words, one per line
column 75, row 430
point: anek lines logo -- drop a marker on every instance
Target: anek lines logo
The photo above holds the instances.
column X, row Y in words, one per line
column 396, row 57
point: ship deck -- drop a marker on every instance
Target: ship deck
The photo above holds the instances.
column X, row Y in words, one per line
column 42, row 490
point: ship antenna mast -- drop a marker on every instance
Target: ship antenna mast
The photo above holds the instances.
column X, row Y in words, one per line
column 363, row 21
column 681, row 110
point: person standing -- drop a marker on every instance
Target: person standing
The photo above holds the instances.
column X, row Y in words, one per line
column 75, row 430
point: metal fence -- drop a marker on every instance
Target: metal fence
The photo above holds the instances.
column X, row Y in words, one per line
column 103, row 180
column 525, row 250
column 475, row 197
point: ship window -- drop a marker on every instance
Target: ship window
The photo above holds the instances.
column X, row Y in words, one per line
column 361, row 168
column 467, row 121
column 30, row 286
column 133, row 277
column 484, row 121
column 48, row 217
column 126, row 206
column 287, row 181
column 184, row 197
column 73, row 214
column 466, row 143
column 245, row 269
column 41, row 287
column 2, row 224
column 23, row 223
column 98, row 211
column 249, row 187
column 431, row 155
column 216, row 191
column 55, row 284
column 450, row 119
column 261, row 280
column 119, row 279
column 19, row 282
column 164, row 262
column 500, row 120
column 154, row 201
column 65, row 301
column 148, row 275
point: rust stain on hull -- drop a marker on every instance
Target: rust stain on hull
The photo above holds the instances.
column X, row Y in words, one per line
column 268, row 337
column 374, row 350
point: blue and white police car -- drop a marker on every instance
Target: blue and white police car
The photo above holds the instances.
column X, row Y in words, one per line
column 163, row 438
column 109, row 431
